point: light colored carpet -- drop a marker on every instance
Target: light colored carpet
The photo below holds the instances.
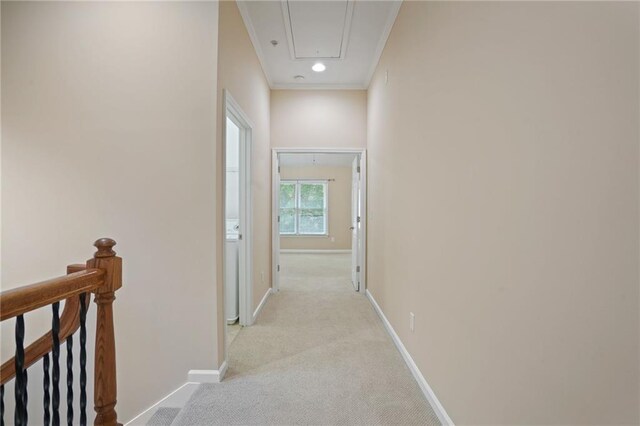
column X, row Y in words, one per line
column 318, row 355
column 163, row 416
column 232, row 331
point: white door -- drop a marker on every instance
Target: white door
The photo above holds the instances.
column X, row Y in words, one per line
column 355, row 223
column 233, row 220
column 237, row 133
column 276, row 222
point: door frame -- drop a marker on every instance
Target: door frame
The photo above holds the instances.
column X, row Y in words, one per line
column 233, row 111
column 356, row 219
column 275, row 229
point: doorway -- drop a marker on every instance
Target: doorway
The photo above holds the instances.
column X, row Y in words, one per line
column 319, row 209
column 237, row 268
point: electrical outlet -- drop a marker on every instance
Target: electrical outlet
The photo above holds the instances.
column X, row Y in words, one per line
column 386, row 77
column 333, row 239
column 262, row 276
column 412, row 321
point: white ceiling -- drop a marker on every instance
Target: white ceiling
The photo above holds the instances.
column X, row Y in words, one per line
column 348, row 36
column 322, row 159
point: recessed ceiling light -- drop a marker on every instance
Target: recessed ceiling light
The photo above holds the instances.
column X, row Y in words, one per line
column 299, row 77
column 318, row 67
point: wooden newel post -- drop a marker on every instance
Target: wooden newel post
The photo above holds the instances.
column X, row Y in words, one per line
column 105, row 389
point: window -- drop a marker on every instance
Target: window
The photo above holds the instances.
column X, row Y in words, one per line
column 303, row 207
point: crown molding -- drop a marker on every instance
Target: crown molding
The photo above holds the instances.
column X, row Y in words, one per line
column 298, row 86
column 383, row 39
column 246, row 18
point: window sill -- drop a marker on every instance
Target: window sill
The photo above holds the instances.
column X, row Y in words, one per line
column 305, row 236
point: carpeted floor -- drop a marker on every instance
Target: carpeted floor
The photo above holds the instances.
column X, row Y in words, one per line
column 318, row 355
column 232, row 331
column 163, row 416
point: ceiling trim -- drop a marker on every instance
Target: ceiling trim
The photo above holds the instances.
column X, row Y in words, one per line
column 294, row 86
column 286, row 19
column 395, row 8
column 346, row 34
column 344, row 43
column 246, row 18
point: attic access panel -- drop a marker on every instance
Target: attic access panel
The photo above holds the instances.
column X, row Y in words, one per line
column 317, row 29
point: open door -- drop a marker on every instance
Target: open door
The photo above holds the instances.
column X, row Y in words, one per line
column 275, row 278
column 237, row 254
column 355, row 223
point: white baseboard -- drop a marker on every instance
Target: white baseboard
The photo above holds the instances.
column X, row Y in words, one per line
column 261, row 305
column 422, row 382
column 208, row 376
column 310, row 251
column 177, row 398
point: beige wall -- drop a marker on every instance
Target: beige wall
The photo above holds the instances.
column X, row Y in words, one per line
column 239, row 71
column 318, row 118
column 108, row 129
column 339, row 203
column 507, row 136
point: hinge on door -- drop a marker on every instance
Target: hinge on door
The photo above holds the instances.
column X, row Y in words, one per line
column 278, row 219
column 357, row 269
column 278, row 169
column 358, row 219
column 358, row 169
column 278, row 268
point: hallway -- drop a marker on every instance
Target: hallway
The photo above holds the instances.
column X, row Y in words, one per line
column 318, row 354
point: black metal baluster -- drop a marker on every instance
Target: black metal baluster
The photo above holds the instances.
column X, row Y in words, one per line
column 25, row 396
column 46, row 401
column 55, row 331
column 83, row 359
column 1, row 405
column 20, row 414
column 70, row 380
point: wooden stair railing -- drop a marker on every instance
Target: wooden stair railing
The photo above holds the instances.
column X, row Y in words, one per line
column 102, row 276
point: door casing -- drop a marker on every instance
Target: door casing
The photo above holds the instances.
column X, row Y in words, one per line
column 275, row 210
column 355, row 222
column 234, row 112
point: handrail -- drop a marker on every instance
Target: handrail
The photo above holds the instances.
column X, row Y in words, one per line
column 69, row 324
column 102, row 277
column 25, row 299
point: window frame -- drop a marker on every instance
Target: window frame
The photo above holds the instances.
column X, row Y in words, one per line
column 297, row 207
